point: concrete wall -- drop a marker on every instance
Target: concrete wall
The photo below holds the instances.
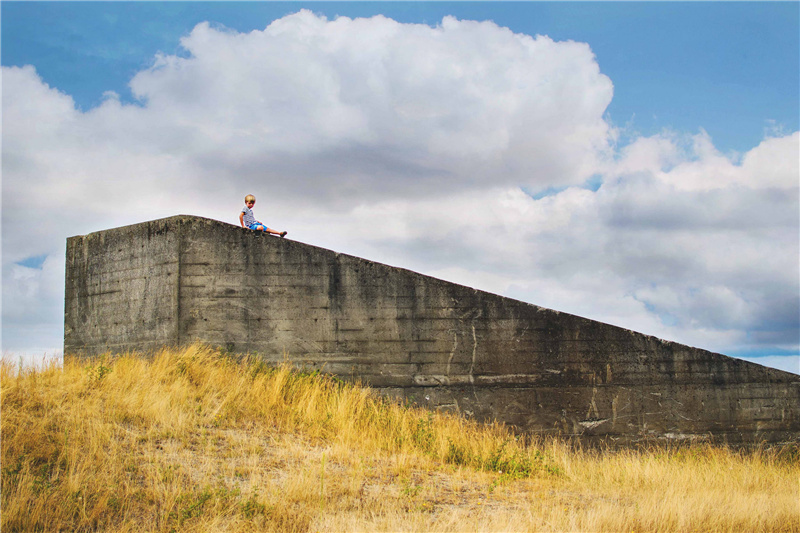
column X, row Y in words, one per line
column 122, row 289
column 181, row 279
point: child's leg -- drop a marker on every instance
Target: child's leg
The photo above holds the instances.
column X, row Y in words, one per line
column 260, row 226
column 272, row 231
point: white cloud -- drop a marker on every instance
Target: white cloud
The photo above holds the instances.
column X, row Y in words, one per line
column 366, row 102
column 412, row 145
column 33, row 306
column 694, row 164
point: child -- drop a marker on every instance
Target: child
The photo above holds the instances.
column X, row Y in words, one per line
column 248, row 219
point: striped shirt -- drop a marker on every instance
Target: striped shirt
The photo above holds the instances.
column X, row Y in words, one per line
column 249, row 217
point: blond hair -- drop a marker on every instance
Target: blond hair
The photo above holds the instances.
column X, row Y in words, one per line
column 249, row 197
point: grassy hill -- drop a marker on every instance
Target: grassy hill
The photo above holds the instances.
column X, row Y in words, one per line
column 194, row 440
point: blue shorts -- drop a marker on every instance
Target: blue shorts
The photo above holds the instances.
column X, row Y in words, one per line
column 257, row 224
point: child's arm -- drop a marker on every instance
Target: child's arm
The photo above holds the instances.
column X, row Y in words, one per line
column 241, row 218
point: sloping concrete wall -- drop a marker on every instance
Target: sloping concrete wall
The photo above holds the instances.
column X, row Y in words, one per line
column 181, row 279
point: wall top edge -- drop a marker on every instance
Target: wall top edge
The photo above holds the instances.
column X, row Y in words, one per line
column 165, row 220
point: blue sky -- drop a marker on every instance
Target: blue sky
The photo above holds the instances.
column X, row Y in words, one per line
column 631, row 162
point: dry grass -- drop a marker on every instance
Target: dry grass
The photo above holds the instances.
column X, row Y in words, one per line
column 192, row 440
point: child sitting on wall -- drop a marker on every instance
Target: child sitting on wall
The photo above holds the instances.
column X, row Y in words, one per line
column 248, row 219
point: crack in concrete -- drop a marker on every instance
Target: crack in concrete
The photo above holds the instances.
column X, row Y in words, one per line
column 593, row 405
column 452, row 353
column 474, row 354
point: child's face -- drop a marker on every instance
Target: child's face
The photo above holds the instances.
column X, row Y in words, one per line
column 250, row 203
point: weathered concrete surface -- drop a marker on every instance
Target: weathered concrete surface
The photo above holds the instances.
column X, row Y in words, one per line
column 181, row 279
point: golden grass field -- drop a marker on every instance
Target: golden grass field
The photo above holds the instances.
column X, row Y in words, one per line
column 194, row 440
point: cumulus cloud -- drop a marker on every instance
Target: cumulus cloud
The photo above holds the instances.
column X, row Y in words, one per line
column 414, row 145
column 375, row 107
